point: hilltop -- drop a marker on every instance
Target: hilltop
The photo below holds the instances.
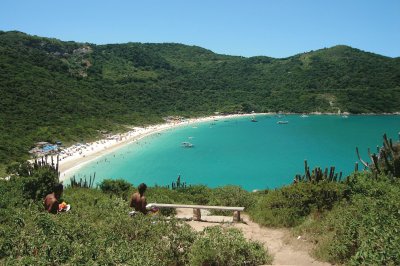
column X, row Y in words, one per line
column 55, row 90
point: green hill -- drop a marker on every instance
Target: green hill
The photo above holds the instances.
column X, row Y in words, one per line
column 52, row 89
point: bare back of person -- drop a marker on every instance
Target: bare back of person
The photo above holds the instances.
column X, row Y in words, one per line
column 51, row 200
column 51, row 203
column 138, row 202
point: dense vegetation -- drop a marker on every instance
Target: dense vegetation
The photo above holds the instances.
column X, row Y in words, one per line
column 363, row 229
column 54, row 90
column 353, row 222
column 99, row 231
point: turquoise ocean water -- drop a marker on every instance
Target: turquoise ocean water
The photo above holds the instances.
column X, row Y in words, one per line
column 240, row 152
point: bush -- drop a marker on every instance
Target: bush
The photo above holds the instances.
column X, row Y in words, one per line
column 40, row 183
column 365, row 184
column 364, row 233
column 219, row 246
column 233, row 196
column 189, row 195
column 37, row 180
column 362, row 230
column 288, row 206
column 28, row 236
column 114, row 237
column 119, row 187
column 198, row 194
column 163, row 196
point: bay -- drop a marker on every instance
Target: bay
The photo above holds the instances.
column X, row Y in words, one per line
column 253, row 155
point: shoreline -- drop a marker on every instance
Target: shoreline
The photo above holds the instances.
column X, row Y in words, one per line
column 76, row 156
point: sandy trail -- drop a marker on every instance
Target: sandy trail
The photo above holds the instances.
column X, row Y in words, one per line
column 285, row 249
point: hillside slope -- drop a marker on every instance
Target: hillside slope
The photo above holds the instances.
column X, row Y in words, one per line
column 52, row 89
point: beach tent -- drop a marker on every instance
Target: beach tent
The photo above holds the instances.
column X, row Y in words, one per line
column 49, row 148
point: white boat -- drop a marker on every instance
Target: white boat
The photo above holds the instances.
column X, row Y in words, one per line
column 187, row 145
column 253, row 119
column 282, row 122
column 304, row 115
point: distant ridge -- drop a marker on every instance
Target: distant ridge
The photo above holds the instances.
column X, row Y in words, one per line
column 51, row 89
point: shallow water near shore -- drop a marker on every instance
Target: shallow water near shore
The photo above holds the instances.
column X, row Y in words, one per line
column 254, row 155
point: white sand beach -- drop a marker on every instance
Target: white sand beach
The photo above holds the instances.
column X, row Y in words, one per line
column 77, row 155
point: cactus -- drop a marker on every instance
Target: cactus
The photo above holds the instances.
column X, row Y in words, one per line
column 82, row 183
column 318, row 175
column 385, row 161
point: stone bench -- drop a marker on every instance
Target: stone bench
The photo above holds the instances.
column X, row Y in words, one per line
column 197, row 208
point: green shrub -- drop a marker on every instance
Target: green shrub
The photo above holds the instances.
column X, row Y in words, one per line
column 190, row 195
column 119, row 187
column 289, row 205
column 219, row 246
column 28, row 236
column 10, row 193
column 39, row 238
column 198, row 194
column 162, row 198
column 40, row 183
column 233, row 196
column 98, row 231
column 37, row 180
column 362, row 230
column 364, row 184
column 366, row 233
column 20, row 168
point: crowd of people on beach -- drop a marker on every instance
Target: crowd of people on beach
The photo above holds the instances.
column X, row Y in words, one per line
column 78, row 153
column 83, row 149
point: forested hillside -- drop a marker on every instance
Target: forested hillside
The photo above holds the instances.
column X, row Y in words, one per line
column 55, row 90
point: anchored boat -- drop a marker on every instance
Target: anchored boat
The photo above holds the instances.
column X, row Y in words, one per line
column 187, row 145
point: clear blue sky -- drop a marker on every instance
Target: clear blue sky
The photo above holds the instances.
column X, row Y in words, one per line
column 278, row 28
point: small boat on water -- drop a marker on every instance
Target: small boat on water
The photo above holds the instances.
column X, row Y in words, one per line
column 253, row 119
column 186, row 144
column 282, row 122
column 304, row 116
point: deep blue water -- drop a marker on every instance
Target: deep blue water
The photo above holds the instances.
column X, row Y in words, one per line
column 253, row 155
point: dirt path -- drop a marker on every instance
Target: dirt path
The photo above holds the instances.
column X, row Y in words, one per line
column 285, row 249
